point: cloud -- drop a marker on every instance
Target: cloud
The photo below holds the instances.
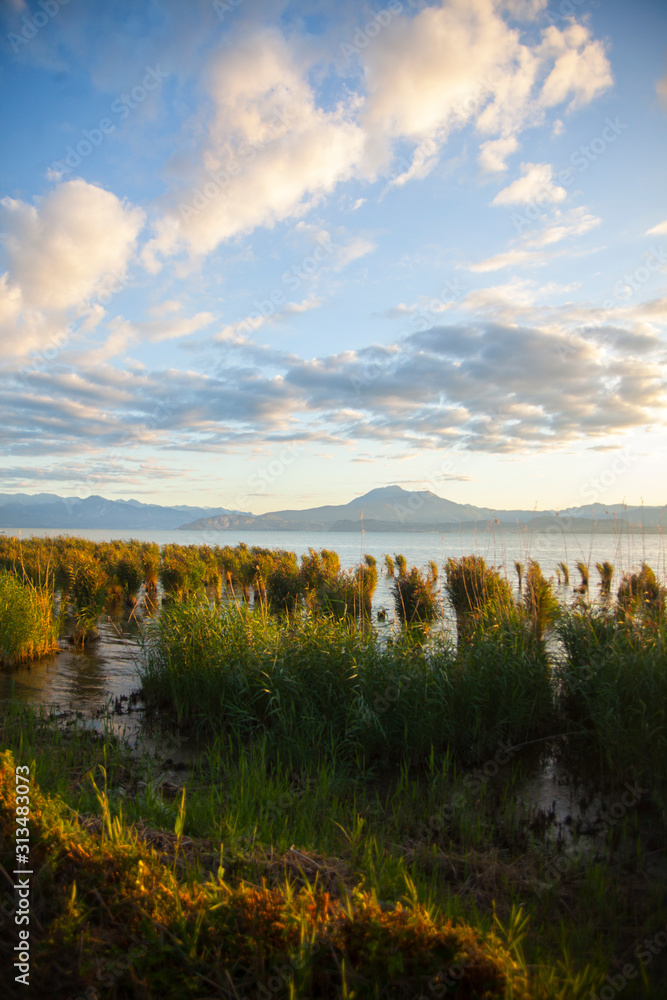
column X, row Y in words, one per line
column 536, row 183
column 659, row 230
column 60, row 250
column 269, row 148
column 509, row 258
column 576, row 222
column 493, row 154
column 484, row 385
column 304, row 306
column 581, row 70
column 530, row 247
column 355, row 249
column 73, row 245
column 260, row 158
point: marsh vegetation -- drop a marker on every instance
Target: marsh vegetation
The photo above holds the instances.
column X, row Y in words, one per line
column 354, row 822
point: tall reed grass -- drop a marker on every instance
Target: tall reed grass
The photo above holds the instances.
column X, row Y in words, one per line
column 319, row 682
column 28, row 627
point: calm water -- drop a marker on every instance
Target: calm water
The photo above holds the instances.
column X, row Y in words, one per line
column 499, row 547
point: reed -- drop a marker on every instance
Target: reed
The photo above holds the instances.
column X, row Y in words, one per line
column 584, row 574
column 539, row 600
column 472, row 586
column 415, row 598
column 606, row 571
column 28, row 627
column 87, row 587
column 613, row 686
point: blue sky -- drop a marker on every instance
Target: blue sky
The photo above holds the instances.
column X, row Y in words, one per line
column 266, row 254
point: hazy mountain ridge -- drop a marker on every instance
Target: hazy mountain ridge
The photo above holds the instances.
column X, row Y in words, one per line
column 24, row 511
column 388, row 508
column 391, row 508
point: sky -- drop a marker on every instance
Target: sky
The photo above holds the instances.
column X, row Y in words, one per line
column 261, row 254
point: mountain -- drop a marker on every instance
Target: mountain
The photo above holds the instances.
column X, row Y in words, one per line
column 48, row 510
column 391, row 508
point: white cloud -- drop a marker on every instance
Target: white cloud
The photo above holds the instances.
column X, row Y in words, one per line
column 576, row 222
column 353, row 250
column 74, row 244
column 492, row 154
column 269, row 151
column 659, row 230
column 536, row 183
column 61, row 249
column 581, row 70
column 524, row 9
column 509, row 258
column 304, row 306
column 530, row 249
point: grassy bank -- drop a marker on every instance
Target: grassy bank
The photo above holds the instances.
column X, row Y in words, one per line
column 265, row 881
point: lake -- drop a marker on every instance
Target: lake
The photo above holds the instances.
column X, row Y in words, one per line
column 499, row 547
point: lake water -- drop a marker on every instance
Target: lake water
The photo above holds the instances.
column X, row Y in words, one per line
column 499, row 547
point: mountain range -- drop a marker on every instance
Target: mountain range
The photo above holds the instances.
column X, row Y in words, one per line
column 48, row 510
column 388, row 508
column 391, row 508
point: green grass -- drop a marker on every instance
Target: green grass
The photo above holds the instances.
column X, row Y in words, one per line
column 28, row 627
column 316, row 681
column 614, row 686
column 386, row 876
